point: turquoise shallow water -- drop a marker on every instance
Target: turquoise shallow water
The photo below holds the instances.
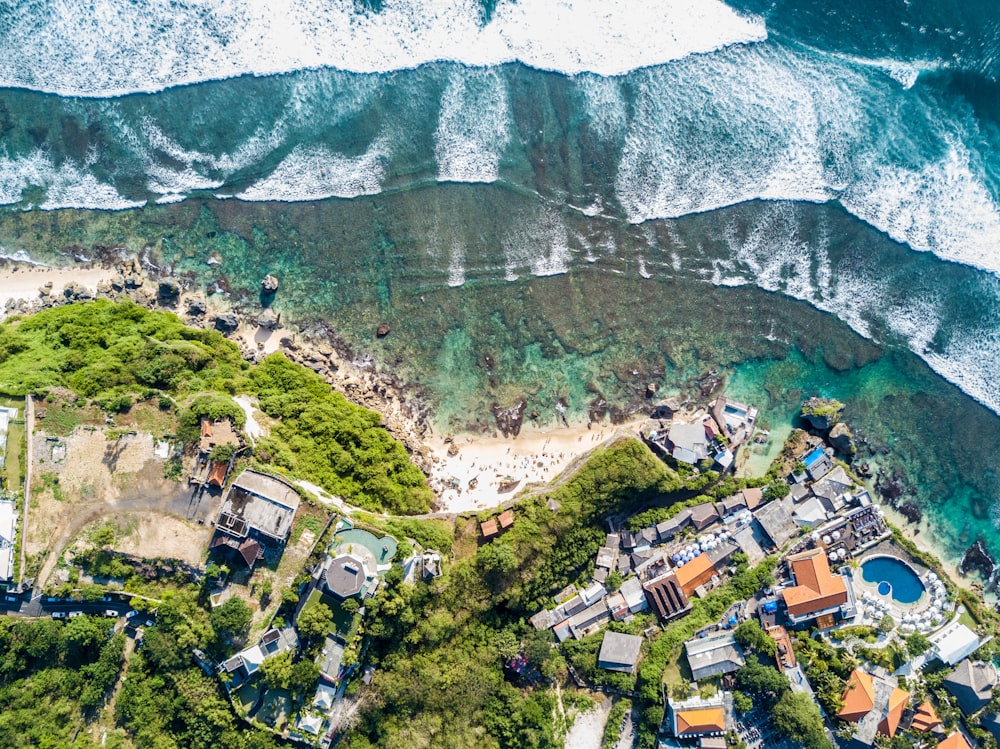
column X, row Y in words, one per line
column 808, row 201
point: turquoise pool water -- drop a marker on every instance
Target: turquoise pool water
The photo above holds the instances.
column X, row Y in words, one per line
column 895, row 577
column 383, row 549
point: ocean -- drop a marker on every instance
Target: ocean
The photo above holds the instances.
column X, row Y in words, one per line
column 559, row 202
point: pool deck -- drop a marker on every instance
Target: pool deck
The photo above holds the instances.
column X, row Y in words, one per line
column 873, row 606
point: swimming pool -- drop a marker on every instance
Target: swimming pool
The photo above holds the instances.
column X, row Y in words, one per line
column 893, row 577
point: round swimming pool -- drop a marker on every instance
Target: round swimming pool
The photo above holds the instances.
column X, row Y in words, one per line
column 893, row 577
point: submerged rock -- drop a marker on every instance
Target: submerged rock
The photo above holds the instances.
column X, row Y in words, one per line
column 911, row 512
column 977, row 559
column 598, row 409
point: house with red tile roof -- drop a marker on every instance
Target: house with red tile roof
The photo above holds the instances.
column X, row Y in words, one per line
column 815, row 591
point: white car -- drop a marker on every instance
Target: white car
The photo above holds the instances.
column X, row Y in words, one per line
column 111, row 613
column 58, row 614
column 75, row 613
column 131, row 614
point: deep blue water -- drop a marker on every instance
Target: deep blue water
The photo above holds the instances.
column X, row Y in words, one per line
column 588, row 195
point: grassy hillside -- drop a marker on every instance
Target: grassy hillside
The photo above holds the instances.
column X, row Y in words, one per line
column 116, row 355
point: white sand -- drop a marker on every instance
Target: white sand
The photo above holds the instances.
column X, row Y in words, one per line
column 24, row 281
column 259, row 339
column 534, row 456
column 588, row 728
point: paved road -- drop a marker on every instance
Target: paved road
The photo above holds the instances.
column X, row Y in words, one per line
column 35, row 605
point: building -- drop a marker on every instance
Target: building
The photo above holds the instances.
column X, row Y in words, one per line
column 489, row 528
column 971, row 683
column 735, row 420
column 955, row 741
column 775, row 518
column 991, row 723
column 346, row 576
column 714, row 655
column 925, row 718
column 692, row 575
column 619, row 652
column 954, row 643
column 666, row 597
column 703, row 515
column 330, row 658
column 875, row 704
column 627, row 600
column 698, row 717
column 506, row 519
column 816, row 593
column 241, row 667
column 690, row 444
column 753, row 497
column 218, row 434
column 258, row 511
column 8, row 536
column 668, row 529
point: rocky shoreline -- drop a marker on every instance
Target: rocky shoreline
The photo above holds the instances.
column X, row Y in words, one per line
column 257, row 329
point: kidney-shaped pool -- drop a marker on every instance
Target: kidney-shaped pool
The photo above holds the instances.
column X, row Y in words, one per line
column 893, row 577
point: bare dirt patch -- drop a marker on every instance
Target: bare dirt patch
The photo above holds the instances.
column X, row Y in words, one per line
column 95, row 474
column 166, row 537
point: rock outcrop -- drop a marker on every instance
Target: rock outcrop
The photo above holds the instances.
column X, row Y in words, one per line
column 842, row 439
column 269, row 285
column 822, row 413
column 509, row 420
column 977, row 559
column 227, row 323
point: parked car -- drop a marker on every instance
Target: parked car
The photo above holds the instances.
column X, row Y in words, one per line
column 11, row 598
column 131, row 614
column 111, row 613
column 75, row 613
column 58, row 614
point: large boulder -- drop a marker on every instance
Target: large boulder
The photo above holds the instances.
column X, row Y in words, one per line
column 227, row 323
column 168, row 292
column 822, row 413
column 197, row 307
column 268, row 320
column 842, row 439
column 269, row 285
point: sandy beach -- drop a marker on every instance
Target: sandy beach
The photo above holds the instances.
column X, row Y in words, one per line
column 23, row 281
column 471, row 479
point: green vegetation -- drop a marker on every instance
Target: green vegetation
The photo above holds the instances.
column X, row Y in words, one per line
column 612, row 728
column 117, row 357
column 798, row 718
column 325, row 439
column 440, row 679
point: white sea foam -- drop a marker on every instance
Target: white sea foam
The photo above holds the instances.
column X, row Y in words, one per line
column 315, row 173
column 765, row 123
column 540, row 246
column 719, row 131
column 65, row 186
column 456, row 267
column 473, row 127
column 944, row 207
column 110, row 48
